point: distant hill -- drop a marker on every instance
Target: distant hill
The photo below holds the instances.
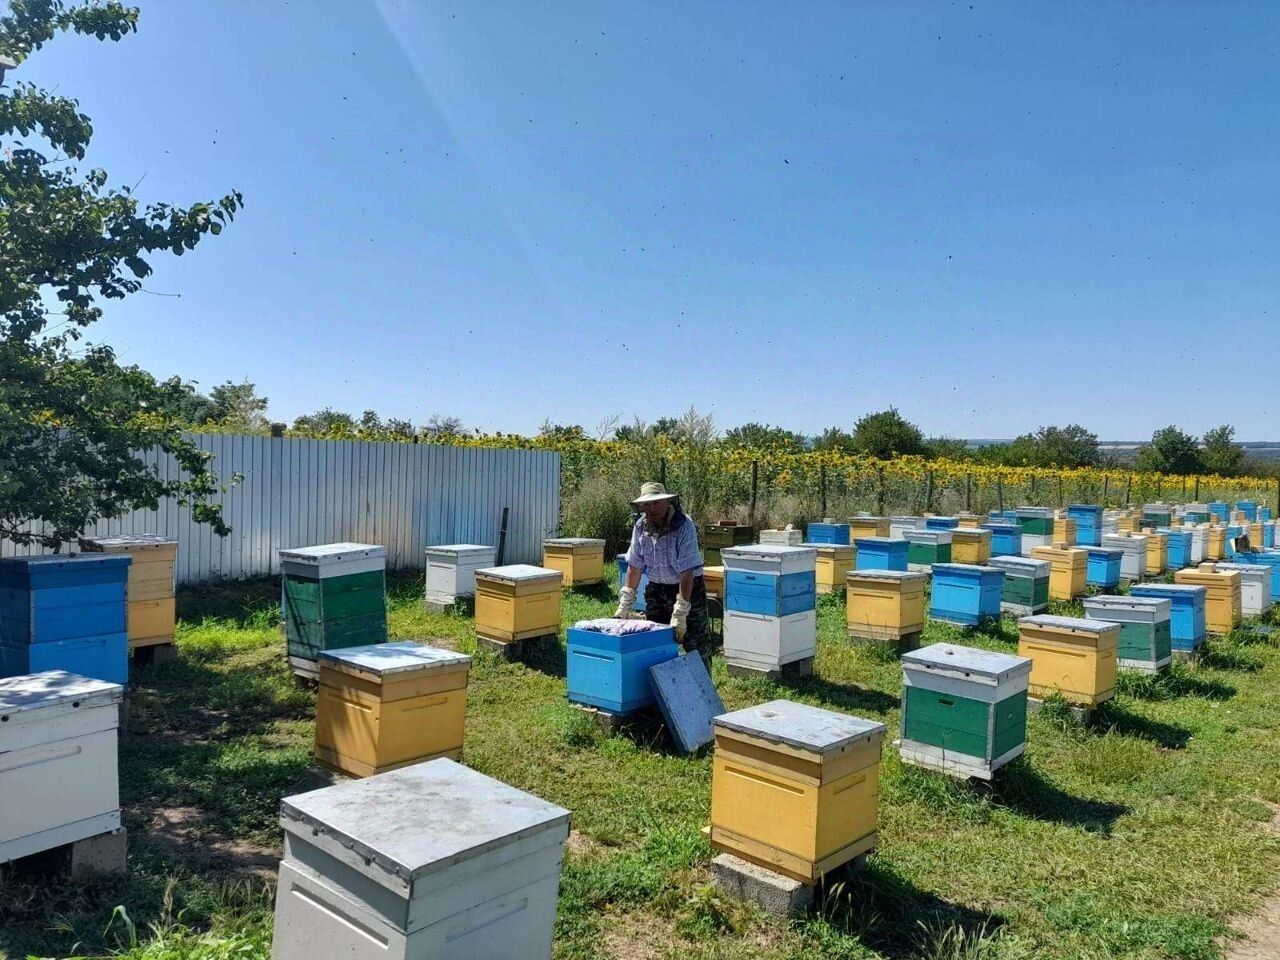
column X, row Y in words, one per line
column 1260, row 449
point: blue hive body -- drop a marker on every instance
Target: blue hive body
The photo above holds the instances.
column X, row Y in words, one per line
column 965, row 594
column 828, row 533
column 1103, row 567
column 1249, row 508
column 773, row 595
column 881, row 553
column 612, row 672
column 1088, row 518
column 1186, row 618
column 1177, row 548
column 941, row 523
column 1006, row 538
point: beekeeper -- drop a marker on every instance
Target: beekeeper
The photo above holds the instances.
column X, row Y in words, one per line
column 664, row 545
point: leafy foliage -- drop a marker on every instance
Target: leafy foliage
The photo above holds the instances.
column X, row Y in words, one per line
column 1170, row 451
column 888, row 434
column 761, row 436
column 72, row 420
column 1220, row 453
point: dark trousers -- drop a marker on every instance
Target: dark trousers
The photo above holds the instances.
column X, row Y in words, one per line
column 660, row 600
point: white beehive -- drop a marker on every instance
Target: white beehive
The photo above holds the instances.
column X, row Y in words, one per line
column 451, row 570
column 1032, row 540
column 1255, row 586
column 787, row 537
column 1199, row 540
column 898, row 526
column 1133, row 565
column 59, row 779
column 762, row 642
column 430, row 862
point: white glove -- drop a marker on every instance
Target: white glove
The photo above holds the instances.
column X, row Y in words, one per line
column 626, row 604
column 680, row 617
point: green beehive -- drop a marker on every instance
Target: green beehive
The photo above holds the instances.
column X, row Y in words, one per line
column 332, row 596
column 927, row 547
column 1037, row 521
column 1026, row 584
column 725, row 533
column 1145, row 643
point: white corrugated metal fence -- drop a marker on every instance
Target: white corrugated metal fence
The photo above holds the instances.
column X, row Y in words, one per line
column 304, row 492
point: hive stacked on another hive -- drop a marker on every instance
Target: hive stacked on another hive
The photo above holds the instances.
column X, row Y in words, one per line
column 770, row 618
column 451, row 571
column 152, row 610
column 1026, row 584
column 1071, row 656
column 515, row 603
column 65, row 613
column 332, row 596
column 1157, row 551
column 964, row 711
column 885, row 605
column 1222, row 608
column 1145, row 642
column 795, row 788
column 1064, row 529
column 1037, row 527
column 1271, row 560
column 387, row 705
column 429, row 861
column 580, row 560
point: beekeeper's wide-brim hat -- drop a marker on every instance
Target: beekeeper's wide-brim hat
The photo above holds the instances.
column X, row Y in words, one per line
column 652, row 493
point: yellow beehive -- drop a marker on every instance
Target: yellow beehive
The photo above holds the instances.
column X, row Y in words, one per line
column 1215, row 542
column 1070, row 656
column 884, row 604
column 713, row 581
column 1255, row 535
column 388, row 705
column 1064, row 529
column 1239, row 516
column 1128, row 524
column 795, row 788
column 1222, row 608
column 151, row 610
column 1069, row 567
column 969, row 520
column 517, row 602
column 868, row 527
column 1157, row 552
column 579, row 559
column 834, row 563
column 970, row 545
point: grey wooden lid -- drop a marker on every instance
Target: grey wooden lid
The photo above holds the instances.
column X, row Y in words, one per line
column 388, row 659
column 768, row 551
column 899, row 575
column 1077, row 624
column 573, row 542
column 458, row 549
column 332, row 553
column 1157, row 589
column 965, row 568
column 421, row 818
column 1028, row 566
column 1105, row 603
column 32, row 691
column 947, row 657
column 800, row 725
column 519, row 571
column 128, row 541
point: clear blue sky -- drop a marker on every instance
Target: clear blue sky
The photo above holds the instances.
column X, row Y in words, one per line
column 991, row 215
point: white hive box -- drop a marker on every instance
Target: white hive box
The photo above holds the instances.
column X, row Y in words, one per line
column 451, row 570
column 1199, row 539
column 788, row 538
column 1032, row 540
column 429, row 862
column 898, row 526
column 59, row 778
column 1133, row 565
column 332, row 560
column 769, row 643
column 770, row 558
column 1255, row 586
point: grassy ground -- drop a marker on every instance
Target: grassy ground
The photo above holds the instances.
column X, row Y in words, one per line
column 1138, row 838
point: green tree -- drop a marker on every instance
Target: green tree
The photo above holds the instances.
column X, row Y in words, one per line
column 888, row 434
column 326, row 423
column 237, row 407
column 561, row 431
column 761, row 436
column 1170, row 451
column 72, row 420
column 1220, row 453
column 834, row 438
column 949, row 448
column 1069, row 446
column 183, row 402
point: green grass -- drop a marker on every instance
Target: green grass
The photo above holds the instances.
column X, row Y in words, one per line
column 1139, row 837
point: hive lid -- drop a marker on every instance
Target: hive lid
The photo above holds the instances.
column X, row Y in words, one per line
column 880, row 541
column 1033, row 512
column 1076, row 624
column 906, row 519
column 1002, row 525
column 1027, row 565
column 462, row 549
column 767, row 551
column 982, row 533
column 60, row 561
column 519, row 571
column 938, row 536
column 1112, row 553
column 573, row 542
column 388, row 659
column 835, row 548
column 332, row 553
column 1102, row 602
column 1156, row 589
column 965, row 568
column 801, row 726
column 902, row 576
column 1245, row 567
column 948, row 658
column 128, row 541
column 1084, row 508
column 422, row 818
column 33, row 691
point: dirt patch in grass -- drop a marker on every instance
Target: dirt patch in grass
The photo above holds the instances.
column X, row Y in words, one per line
column 636, row 937
column 1260, row 934
column 176, row 834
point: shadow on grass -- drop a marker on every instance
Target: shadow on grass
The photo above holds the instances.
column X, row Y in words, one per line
column 1177, row 681
column 1220, row 657
column 844, row 696
column 1020, row 787
column 1113, row 717
column 892, row 916
column 546, row 655
column 602, row 591
column 246, row 603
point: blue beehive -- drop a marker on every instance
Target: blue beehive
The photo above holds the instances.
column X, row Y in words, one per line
column 612, row 672
column 1103, row 567
column 1268, row 533
column 1220, row 511
column 881, row 553
column 770, row 594
column 1268, row 558
column 941, row 523
column 1249, row 508
column 828, row 532
column 1006, row 538
column 65, row 613
column 1177, row 553
column 622, row 582
column 1088, row 518
column 1003, row 516
column 1264, row 513
column 1186, row 618
column 965, row 594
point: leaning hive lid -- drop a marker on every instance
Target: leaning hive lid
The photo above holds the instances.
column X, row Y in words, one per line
column 332, row 553
column 33, row 691
column 969, row 661
column 800, row 725
column 1074, row 624
column 422, row 818
column 388, row 659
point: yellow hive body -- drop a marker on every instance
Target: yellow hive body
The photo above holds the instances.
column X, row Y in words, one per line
column 1157, row 552
column 1069, row 567
column 969, row 521
column 580, row 564
column 151, row 621
column 516, row 611
column 884, row 607
column 1255, row 535
column 151, row 611
column 1222, row 611
column 793, row 810
column 713, row 580
column 834, row 563
column 1079, row 664
column 1215, row 543
column 365, row 727
column 868, row 527
column 1064, row 530
column 1127, row 525
column 970, row 546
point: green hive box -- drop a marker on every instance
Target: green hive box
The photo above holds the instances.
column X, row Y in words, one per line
column 717, row 536
column 332, row 596
column 1026, row 584
column 964, row 711
column 1035, row 520
column 1145, row 644
column 927, row 547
